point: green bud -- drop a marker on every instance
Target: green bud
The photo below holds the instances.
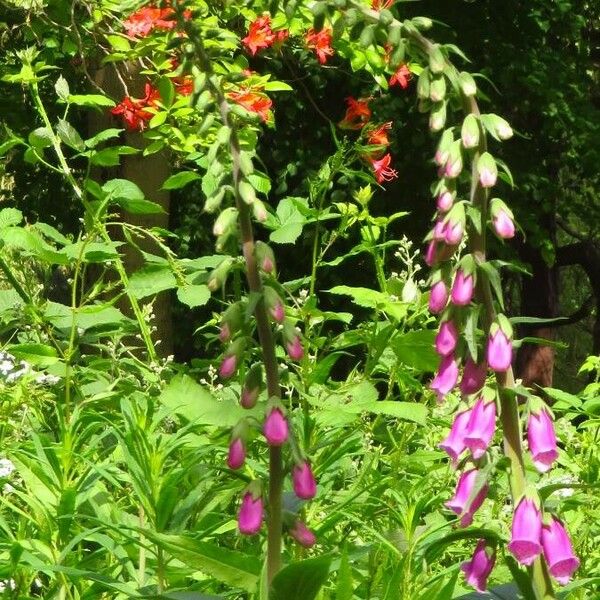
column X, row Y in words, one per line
column 470, row 131
column 437, row 119
column 423, row 84
column 437, row 89
column 226, row 221
column 265, row 257
column 246, row 191
column 218, row 276
column 437, row 61
column 467, row 84
column 367, row 36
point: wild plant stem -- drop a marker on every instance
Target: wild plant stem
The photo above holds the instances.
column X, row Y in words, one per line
column 265, row 334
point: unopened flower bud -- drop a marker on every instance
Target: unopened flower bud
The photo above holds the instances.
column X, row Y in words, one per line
column 443, row 149
column 231, row 321
column 541, row 438
column 226, row 221
column 305, row 486
column 467, row 84
column 487, row 170
column 437, row 60
column 438, row 297
column 250, row 515
column 423, row 84
column 462, row 288
column 276, row 428
column 469, row 133
column 218, row 275
column 274, row 304
column 230, row 361
column 437, row 119
column 455, row 224
column 303, row 535
column 431, row 254
column 294, row 348
column 265, row 257
column 410, row 291
column 454, row 164
column 251, row 388
column 445, row 200
column 259, row 210
column 502, row 219
column 499, row 349
column 446, row 338
column 237, row 453
column 473, row 377
column 437, row 89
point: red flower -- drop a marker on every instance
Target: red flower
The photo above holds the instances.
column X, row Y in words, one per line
column 381, row 4
column 383, row 171
column 144, row 20
column 379, row 136
column 357, row 114
column 183, row 85
column 401, row 77
column 132, row 110
column 320, row 42
column 259, row 35
column 255, row 102
column 281, row 36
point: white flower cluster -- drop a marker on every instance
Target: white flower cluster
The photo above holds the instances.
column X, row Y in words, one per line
column 11, row 370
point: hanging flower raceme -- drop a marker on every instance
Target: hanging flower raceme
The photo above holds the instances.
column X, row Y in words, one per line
column 478, row 569
column 401, row 77
column 320, row 42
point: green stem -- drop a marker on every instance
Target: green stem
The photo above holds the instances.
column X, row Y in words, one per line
column 265, row 334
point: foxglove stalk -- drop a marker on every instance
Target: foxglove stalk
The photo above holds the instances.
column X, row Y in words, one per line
column 558, row 551
column 251, row 514
column 276, row 428
column 473, row 378
column 525, row 543
column 460, row 503
column 303, row 535
column 438, row 298
column 454, row 443
column 499, row 351
column 478, row 569
column 462, row 288
column 305, row 486
column 542, row 439
column 446, row 338
column 481, row 427
column 446, row 377
column 237, row 454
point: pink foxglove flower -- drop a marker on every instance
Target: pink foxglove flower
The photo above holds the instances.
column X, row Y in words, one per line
column 454, row 443
column 446, row 377
column 294, row 348
column 228, row 366
column 462, row 288
column 446, row 338
column 464, row 490
column 481, row 427
column 276, row 428
column 504, row 226
column 542, row 439
column 237, row 454
column 305, row 486
column 558, row 551
column 473, row 377
column 438, row 298
column 499, row 352
column 445, row 201
column 478, row 569
column 303, row 535
column 431, row 254
column 525, row 543
column 453, row 232
column 250, row 515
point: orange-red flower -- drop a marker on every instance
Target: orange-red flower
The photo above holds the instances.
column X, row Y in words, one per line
column 183, row 85
column 133, row 110
column 381, row 4
column 401, row 77
column 381, row 168
column 255, row 102
column 379, row 136
column 357, row 114
column 144, row 20
column 259, row 35
column 320, row 42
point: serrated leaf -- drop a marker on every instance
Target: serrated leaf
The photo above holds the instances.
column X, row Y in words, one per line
column 69, row 136
column 151, row 280
column 123, row 188
column 415, row 349
column 62, row 88
column 10, row 216
column 193, row 295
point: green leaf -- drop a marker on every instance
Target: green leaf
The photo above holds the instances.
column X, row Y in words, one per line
column 31, row 242
column 62, row 88
column 179, row 180
column 193, row 295
column 227, row 566
column 563, row 399
column 35, row 354
column 344, row 589
column 119, row 43
column 140, row 207
column 10, row 216
column 415, row 349
column 300, row 580
column 493, row 276
column 166, row 90
column 123, row 188
column 277, row 86
column 68, row 134
column 286, row 234
column 151, row 280
column 103, row 136
column 40, row 138
column 196, row 404
column 91, row 100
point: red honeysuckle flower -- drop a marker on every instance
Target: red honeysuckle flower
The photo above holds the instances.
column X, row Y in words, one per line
column 357, row 114
column 260, row 34
column 379, row 136
column 381, row 4
column 143, row 21
column 381, row 167
column 133, row 110
column 401, row 77
column 183, row 85
column 255, row 102
column 320, row 42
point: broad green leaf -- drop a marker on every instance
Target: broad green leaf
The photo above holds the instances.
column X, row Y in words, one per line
column 91, row 100
column 123, row 188
column 10, row 216
column 344, row 588
column 196, row 404
column 69, row 135
column 227, row 566
column 140, row 207
column 193, row 295
column 150, row 280
column 30, row 242
column 415, row 349
column 300, row 580
column 35, row 354
column 179, row 180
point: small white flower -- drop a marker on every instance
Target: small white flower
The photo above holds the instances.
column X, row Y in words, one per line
column 6, row 467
